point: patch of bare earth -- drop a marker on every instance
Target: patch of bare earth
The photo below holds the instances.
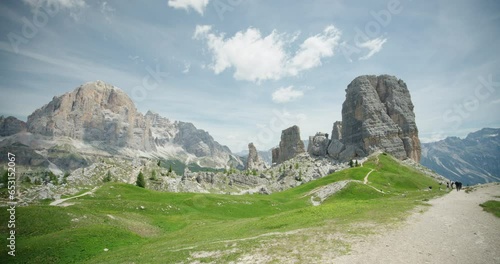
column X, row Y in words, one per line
column 455, row 229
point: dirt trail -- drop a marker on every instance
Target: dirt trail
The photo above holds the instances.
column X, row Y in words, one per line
column 365, row 181
column 60, row 202
column 454, row 230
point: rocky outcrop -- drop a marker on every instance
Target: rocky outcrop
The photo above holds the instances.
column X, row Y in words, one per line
column 290, row 145
column 275, row 155
column 254, row 161
column 10, row 126
column 94, row 112
column 376, row 115
column 337, row 130
column 318, row 144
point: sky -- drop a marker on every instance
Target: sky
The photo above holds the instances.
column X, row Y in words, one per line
column 245, row 70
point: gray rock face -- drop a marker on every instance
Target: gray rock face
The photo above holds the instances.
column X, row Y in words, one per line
column 337, row 130
column 290, row 145
column 198, row 141
column 94, row 112
column 335, row 148
column 377, row 115
column 471, row 160
column 104, row 117
column 275, row 153
column 254, row 161
column 318, row 144
column 193, row 140
column 162, row 128
column 10, row 126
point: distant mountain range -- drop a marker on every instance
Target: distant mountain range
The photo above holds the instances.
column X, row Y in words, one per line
column 473, row 160
column 96, row 129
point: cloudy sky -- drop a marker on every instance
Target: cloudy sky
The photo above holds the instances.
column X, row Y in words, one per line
column 244, row 70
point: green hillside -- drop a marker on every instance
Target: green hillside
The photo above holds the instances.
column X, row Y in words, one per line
column 171, row 226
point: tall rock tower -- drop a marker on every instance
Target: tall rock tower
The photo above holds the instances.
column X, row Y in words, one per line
column 376, row 115
column 290, row 145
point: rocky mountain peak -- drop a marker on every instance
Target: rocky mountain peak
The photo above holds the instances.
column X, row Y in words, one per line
column 98, row 117
column 376, row 115
column 10, row 126
column 94, row 112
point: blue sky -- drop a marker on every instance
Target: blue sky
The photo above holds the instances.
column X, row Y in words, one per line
column 244, row 70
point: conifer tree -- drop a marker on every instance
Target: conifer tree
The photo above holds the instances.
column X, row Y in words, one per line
column 140, row 180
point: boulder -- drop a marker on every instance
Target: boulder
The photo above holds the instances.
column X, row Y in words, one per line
column 335, row 148
column 318, row 145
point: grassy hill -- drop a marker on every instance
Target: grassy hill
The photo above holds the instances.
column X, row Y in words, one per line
column 143, row 226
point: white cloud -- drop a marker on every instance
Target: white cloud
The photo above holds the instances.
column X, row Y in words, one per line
column 374, row 45
column 197, row 5
column 256, row 57
column 107, row 11
column 75, row 7
column 201, row 31
column 315, row 48
column 286, row 94
column 187, row 67
column 68, row 4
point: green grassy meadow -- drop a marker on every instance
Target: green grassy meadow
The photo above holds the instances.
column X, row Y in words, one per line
column 492, row 207
column 174, row 225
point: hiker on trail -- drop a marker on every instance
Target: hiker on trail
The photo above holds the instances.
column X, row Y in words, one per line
column 447, row 185
column 458, row 185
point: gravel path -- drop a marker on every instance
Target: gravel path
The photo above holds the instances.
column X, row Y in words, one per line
column 454, row 230
column 60, row 202
column 365, row 181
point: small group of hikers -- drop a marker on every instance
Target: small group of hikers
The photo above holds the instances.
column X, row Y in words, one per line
column 458, row 185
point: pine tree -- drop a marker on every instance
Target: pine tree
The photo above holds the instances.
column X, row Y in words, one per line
column 170, row 169
column 153, row 176
column 140, row 180
column 5, row 178
column 108, row 177
column 357, row 163
column 351, row 164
